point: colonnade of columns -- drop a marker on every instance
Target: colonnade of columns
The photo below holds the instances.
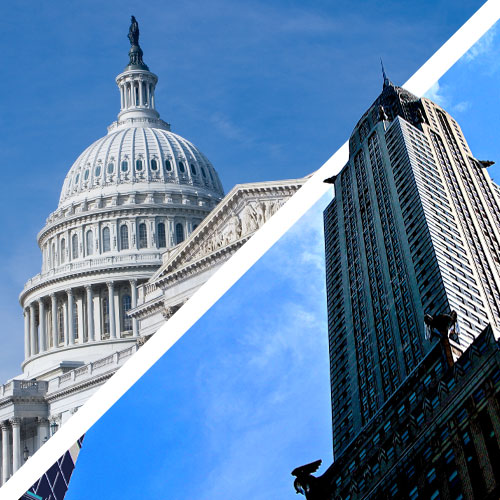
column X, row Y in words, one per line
column 50, row 322
column 12, row 451
column 137, row 93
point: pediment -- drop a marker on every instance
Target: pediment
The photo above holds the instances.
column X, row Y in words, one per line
column 239, row 214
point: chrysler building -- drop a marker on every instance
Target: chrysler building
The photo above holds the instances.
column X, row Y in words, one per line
column 414, row 230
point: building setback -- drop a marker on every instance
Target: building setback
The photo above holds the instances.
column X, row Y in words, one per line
column 414, row 229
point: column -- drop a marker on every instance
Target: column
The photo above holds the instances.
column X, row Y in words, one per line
column 65, row 322
column 27, row 351
column 33, row 330
column 171, row 232
column 111, row 302
column 133, row 296
column 90, row 313
column 53, row 302
column 97, row 306
column 81, row 319
column 16, row 443
column 148, row 94
column 141, row 98
column 461, row 462
column 42, row 330
column 71, row 330
column 482, row 453
column 43, row 431
column 494, row 413
column 5, row 451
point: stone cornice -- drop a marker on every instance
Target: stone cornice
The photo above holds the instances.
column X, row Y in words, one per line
column 228, row 207
column 67, row 391
column 96, row 215
column 147, row 308
column 64, row 276
column 205, row 262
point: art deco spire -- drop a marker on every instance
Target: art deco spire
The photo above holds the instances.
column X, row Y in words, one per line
column 387, row 82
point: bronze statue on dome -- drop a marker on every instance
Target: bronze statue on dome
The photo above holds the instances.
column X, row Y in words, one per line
column 135, row 53
column 133, row 31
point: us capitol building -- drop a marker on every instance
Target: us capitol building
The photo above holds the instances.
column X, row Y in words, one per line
column 142, row 222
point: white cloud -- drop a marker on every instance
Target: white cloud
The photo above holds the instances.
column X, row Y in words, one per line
column 461, row 106
column 435, row 94
column 258, row 394
column 483, row 46
column 443, row 95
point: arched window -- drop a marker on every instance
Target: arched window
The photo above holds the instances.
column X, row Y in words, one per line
column 138, row 165
column 90, row 242
column 179, row 233
column 111, row 167
column 193, row 169
column 106, row 243
column 63, row 251
column 74, row 246
column 105, row 316
column 126, row 306
column 124, row 165
column 162, row 240
column 124, row 237
column 75, row 319
column 143, row 236
column 203, row 172
column 86, row 174
column 168, row 165
column 154, row 165
column 181, row 167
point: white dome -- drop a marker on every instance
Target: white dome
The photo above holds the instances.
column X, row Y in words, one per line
column 129, row 197
column 139, row 159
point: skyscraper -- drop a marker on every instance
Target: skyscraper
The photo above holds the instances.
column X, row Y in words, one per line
column 414, row 229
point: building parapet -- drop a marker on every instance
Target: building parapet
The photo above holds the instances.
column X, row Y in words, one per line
column 98, row 263
column 24, row 388
column 91, row 370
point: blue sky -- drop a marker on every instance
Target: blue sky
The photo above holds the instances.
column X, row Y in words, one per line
column 237, row 403
column 267, row 90
column 229, row 412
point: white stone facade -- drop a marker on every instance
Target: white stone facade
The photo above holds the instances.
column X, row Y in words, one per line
column 129, row 243
column 186, row 267
column 128, row 198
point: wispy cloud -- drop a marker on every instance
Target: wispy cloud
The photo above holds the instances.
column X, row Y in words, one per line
column 278, row 356
column 483, row 46
column 230, row 130
column 444, row 96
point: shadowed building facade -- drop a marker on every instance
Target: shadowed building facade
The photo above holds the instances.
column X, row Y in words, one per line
column 414, row 229
column 437, row 436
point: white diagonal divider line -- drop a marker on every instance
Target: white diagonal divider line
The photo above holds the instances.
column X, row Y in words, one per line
column 209, row 293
